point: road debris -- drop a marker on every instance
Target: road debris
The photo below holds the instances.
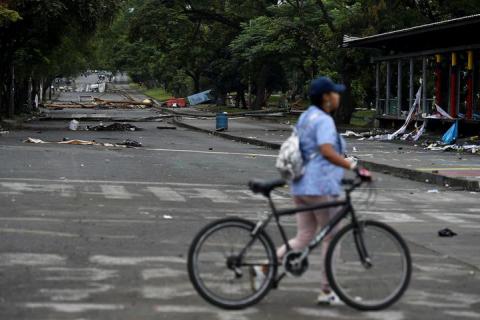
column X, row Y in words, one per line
column 438, row 146
column 446, row 233
column 350, row 133
column 116, row 126
column 200, row 98
column 126, row 144
column 167, row 128
column 97, row 103
column 131, row 144
column 433, row 191
column 73, row 125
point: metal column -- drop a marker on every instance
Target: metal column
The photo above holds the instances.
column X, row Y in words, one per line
column 453, row 86
column 387, row 89
column 469, row 106
column 377, row 88
column 424, row 85
column 411, row 84
column 399, row 88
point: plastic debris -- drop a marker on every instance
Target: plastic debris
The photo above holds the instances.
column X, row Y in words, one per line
column 73, row 125
column 433, row 191
column 167, row 217
column 451, row 135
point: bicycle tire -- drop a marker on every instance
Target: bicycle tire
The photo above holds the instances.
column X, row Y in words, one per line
column 334, row 283
column 205, row 293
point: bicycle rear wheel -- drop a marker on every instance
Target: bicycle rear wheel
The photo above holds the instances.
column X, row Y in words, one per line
column 375, row 286
column 218, row 270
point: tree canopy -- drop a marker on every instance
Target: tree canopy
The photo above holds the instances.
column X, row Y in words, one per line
column 42, row 39
column 186, row 46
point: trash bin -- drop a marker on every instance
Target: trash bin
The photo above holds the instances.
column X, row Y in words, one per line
column 222, row 121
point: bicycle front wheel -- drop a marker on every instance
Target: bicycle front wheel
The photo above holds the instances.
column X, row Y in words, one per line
column 222, row 259
column 382, row 280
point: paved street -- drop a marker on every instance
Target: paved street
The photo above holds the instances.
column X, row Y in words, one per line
column 92, row 232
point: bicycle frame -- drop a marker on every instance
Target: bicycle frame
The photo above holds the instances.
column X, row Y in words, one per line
column 346, row 209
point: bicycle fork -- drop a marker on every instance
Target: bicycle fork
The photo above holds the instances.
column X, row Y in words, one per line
column 361, row 248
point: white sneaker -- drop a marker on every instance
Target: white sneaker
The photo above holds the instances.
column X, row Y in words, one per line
column 329, row 298
column 257, row 277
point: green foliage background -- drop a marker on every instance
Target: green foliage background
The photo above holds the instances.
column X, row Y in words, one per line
column 185, row 46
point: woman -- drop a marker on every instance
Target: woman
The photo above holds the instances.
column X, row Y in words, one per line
column 322, row 150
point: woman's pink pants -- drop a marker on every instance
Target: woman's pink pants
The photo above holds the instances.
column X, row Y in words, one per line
column 308, row 224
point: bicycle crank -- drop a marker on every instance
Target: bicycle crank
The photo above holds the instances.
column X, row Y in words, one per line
column 294, row 264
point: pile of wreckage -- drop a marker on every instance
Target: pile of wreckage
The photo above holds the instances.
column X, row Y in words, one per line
column 447, row 143
column 97, row 103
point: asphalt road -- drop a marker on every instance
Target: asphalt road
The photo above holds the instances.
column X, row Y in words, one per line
column 93, row 232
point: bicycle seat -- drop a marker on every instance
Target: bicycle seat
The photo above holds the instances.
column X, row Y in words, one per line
column 265, row 187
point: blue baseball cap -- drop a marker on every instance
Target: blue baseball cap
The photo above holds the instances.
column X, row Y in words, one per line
column 323, row 85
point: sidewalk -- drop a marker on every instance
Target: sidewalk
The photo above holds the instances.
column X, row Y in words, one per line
column 401, row 160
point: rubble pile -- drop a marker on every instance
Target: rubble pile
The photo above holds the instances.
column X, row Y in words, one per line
column 98, row 103
column 114, row 127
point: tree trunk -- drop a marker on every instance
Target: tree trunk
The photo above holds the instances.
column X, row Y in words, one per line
column 222, row 99
column 11, row 105
column 344, row 114
column 30, row 93
column 243, row 100
column 261, row 83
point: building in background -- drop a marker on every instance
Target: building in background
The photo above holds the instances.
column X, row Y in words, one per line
column 444, row 56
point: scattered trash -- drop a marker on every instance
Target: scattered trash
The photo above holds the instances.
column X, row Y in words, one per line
column 433, row 191
column 355, row 149
column 131, row 143
column 73, row 125
column 32, row 140
column 115, row 127
column 446, row 233
column 350, row 133
column 79, row 142
column 148, row 101
column 470, row 148
column 126, row 143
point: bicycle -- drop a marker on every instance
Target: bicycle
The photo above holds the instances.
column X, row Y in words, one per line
column 368, row 264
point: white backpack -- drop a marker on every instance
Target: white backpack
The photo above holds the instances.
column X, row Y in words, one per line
column 290, row 162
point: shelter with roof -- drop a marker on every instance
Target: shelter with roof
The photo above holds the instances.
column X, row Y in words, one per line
column 443, row 56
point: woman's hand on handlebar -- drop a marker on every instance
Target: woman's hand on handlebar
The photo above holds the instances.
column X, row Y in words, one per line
column 364, row 174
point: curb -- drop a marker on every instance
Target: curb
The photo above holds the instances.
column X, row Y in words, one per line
column 405, row 173
column 256, row 142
